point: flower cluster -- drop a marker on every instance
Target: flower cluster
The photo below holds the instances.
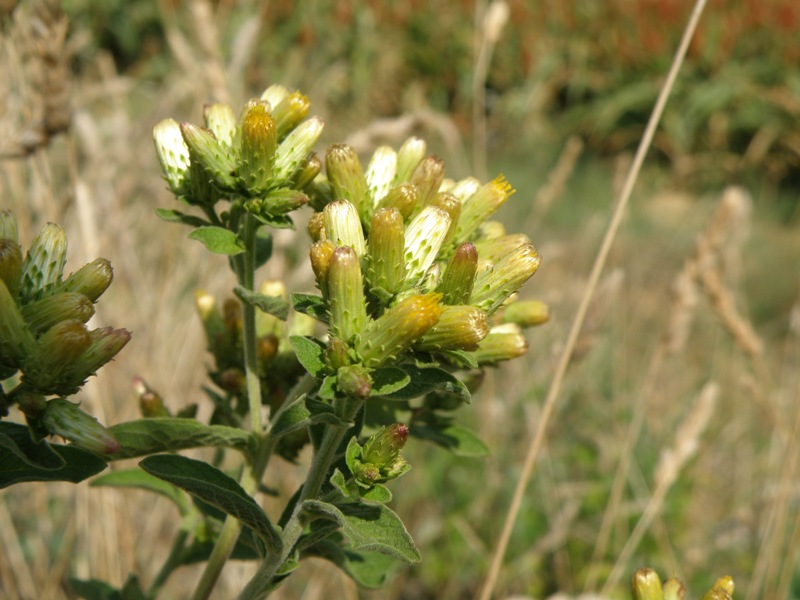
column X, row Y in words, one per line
column 43, row 333
column 409, row 265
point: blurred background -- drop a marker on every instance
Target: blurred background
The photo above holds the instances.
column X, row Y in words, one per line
column 675, row 439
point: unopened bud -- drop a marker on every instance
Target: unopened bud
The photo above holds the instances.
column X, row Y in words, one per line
column 232, row 380
column 354, row 382
column 316, row 227
column 408, row 157
column 673, row 589
column 503, row 343
column 428, row 177
column 294, row 150
column 394, row 331
column 65, row 419
column 266, row 350
column 459, row 275
column 16, row 339
column 44, row 263
column 105, row 345
column 460, row 327
column 646, row 585
column 483, row 203
column 403, row 197
column 526, row 314
column 259, row 139
column 380, row 173
column 310, row 168
column 337, row 354
column 173, row 154
column 10, row 264
column 347, row 178
column 380, row 459
column 215, row 158
column 57, row 350
column 490, row 230
column 221, row 121
column 275, row 94
column 387, row 267
column 290, row 111
column 425, row 235
column 722, row 590
column 464, row 188
column 492, row 250
column 320, row 254
column 42, row 314
column 452, row 206
column 277, row 203
column 347, row 306
column 343, row 226
column 151, row 404
column 8, row 226
column 494, row 285
column 91, row 279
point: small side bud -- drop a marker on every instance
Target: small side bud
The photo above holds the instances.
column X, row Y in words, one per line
column 91, row 280
column 379, row 459
column 337, row 354
column 458, row 278
column 526, row 314
column 354, row 381
column 504, row 342
column 394, row 331
column 424, row 238
column 494, row 285
column 408, row 157
column 151, row 404
column 173, row 154
column 316, row 227
column 105, row 344
column 8, row 226
column 347, row 306
column 428, row 177
column 343, row 226
column 646, row 585
column 403, row 197
column 310, row 168
column 65, row 419
column 459, row 328
column 387, row 267
column 41, row 315
column 673, row 589
column 320, row 254
column 44, row 263
column 721, row 590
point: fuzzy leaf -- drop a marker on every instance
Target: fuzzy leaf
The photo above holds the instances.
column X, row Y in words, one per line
column 429, row 379
column 310, row 354
column 17, row 439
column 216, row 488
column 168, row 434
column 175, row 216
column 389, row 380
column 459, row 440
column 136, row 478
column 218, row 240
column 273, row 305
column 311, row 305
column 302, row 414
column 368, row 569
column 372, row 527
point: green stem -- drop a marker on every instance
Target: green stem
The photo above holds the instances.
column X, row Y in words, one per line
column 257, row 587
column 219, row 556
column 173, row 561
column 247, row 280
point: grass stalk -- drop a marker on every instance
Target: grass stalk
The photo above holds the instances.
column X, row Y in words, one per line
column 600, row 260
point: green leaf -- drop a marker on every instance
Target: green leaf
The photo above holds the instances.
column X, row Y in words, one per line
column 21, row 460
column 276, row 221
column 459, row 440
column 218, row 240
column 370, row 570
column 137, row 478
column 372, row 527
column 132, row 589
column 175, row 216
column 263, row 246
column 273, row 305
column 214, row 487
column 377, row 493
column 246, row 548
column 302, row 414
column 327, row 391
column 310, row 353
column 168, row 434
column 389, row 380
column 461, row 359
column 93, row 589
column 312, row 305
column 429, row 379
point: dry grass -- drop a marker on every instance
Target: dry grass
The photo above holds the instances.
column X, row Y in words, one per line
column 724, row 505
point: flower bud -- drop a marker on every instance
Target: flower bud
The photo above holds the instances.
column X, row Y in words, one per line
column 502, row 343
column 646, row 585
column 151, row 404
column 408, row 157
column 389, row 335
column 105, row 345
column 316, row 227
column 57, row 350
column 464, row 188
column 42, row 314
column 232, row 380
column 490, row 230
column 307, row 172
column 346, row 303
column 337, row 354
column 478, row 207
column 526, row 314
column 221, row 121
column 278, row 202
column 354, row 382
column 275, row 94
column 403, row 197
column 343, row 226
column 459, row 275
column 347, row 178
column 428, row 177
column 387, row 267
column 673, row 589
column 91, row 279
column 380, row 173
column 424, row 237
column 460, row 327
column 290, row 111
column 219, row 342
column 44, row 263
column 492, row 250
column 266, row 350
column 8, row 226
column 10, row 264
column 16, row 340
column 294, row 150
column 379, row 459
column 173, row 154
column 452, row 206
column 494, row 285
column 722, row 590
column 259, row 140
column 215, row 158
column 64, row 418
column 320, row 254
